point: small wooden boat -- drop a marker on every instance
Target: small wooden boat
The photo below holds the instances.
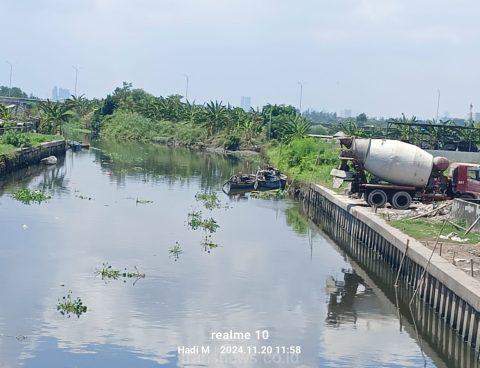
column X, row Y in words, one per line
column 270, row 178
column 239, row 183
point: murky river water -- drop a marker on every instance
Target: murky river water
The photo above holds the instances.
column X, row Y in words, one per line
column 271, row 272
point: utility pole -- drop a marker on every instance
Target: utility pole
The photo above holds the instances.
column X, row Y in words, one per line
column 301, row 96
column 186, row 86
column 10, row 82
column 76, row 79
column 470, row 115
column 438, row 103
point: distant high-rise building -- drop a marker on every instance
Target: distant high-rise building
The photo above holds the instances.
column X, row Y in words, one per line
column 446, row 116
column 55, row 93
column 347, row 113
column 246, row 103
column 63, row 93
column 60, row 94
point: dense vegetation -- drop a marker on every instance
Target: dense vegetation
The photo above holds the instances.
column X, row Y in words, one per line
column 305, row 159
column 12, row 92
column 133, row 115
column 10, row 141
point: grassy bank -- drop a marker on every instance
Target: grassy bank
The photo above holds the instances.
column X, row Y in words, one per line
column 421, row 229
column 11, row 141
column 309, row 160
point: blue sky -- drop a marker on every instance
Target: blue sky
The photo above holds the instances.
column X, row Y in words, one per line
column 382, row 57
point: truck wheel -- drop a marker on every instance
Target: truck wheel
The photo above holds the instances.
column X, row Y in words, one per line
column 401, row 200
column 377, row 198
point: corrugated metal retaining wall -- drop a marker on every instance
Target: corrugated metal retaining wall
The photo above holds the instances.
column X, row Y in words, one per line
column 452, row 294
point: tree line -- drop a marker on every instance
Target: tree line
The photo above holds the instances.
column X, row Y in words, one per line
column 235, row 127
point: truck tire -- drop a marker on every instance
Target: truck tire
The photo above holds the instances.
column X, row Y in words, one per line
column 377, row 198
column 401, row 200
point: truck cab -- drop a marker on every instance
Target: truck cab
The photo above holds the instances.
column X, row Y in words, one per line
column 465, row 180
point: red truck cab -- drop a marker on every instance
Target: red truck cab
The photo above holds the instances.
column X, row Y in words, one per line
column 465, row 180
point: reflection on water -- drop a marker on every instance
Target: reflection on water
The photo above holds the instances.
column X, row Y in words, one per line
column 272, row 271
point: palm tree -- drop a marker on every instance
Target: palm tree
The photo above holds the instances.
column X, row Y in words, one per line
column 403, row 131
column 54, row 115
column 216, row 117
column 350, row 128
column 298, row 127
column 251, row 126
column 79, row 104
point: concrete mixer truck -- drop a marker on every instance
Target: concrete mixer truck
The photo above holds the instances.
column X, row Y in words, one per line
column 384, row 170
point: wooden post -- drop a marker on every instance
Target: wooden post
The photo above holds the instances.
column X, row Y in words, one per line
column 471, row 266
column 453, row 260
column 441, row 246
column 401, row 263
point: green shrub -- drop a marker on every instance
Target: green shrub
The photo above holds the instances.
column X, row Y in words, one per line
column 232, row 142
column 306, row 159
column 128, row 126
column 16, row 139
column 189, row 134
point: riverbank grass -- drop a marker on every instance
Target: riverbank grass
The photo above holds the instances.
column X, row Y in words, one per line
column 426, row 230
column 11, row 141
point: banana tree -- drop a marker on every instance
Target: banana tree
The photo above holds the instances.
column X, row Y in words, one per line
column 5, row 115
column 53, row 116
column 216, row 117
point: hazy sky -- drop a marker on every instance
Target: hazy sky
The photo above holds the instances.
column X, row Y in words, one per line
column 383, row 57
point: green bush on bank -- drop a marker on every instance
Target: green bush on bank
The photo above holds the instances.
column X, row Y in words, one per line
column 306, row 159
column 10, row 141
column 131, row 126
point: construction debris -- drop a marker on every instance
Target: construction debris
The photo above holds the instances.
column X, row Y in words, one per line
column 453, row 237
column 419, row 210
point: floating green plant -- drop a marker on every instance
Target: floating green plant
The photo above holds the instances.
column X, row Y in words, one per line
column 107, row 272
column 271, row 194
column 195, row 221
column 209, row 200
column 28, row 196
column 68, row 306
column 210, row 225
column 208, row 245
column 175, row 251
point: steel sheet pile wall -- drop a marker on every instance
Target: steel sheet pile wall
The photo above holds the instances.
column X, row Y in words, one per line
column 452, row 295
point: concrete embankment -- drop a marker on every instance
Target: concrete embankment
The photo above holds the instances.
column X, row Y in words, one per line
column 452, row 294
column 30, row 156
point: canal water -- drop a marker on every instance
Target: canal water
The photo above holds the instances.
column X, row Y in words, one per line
column 267, row 274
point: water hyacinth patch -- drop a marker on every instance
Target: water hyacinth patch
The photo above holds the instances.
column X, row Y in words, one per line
column 28, row 196
column 195, row 221
column 68, row 306
column 175, row 251
column 209, row 200
column 107, row 272
column 208, row 244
